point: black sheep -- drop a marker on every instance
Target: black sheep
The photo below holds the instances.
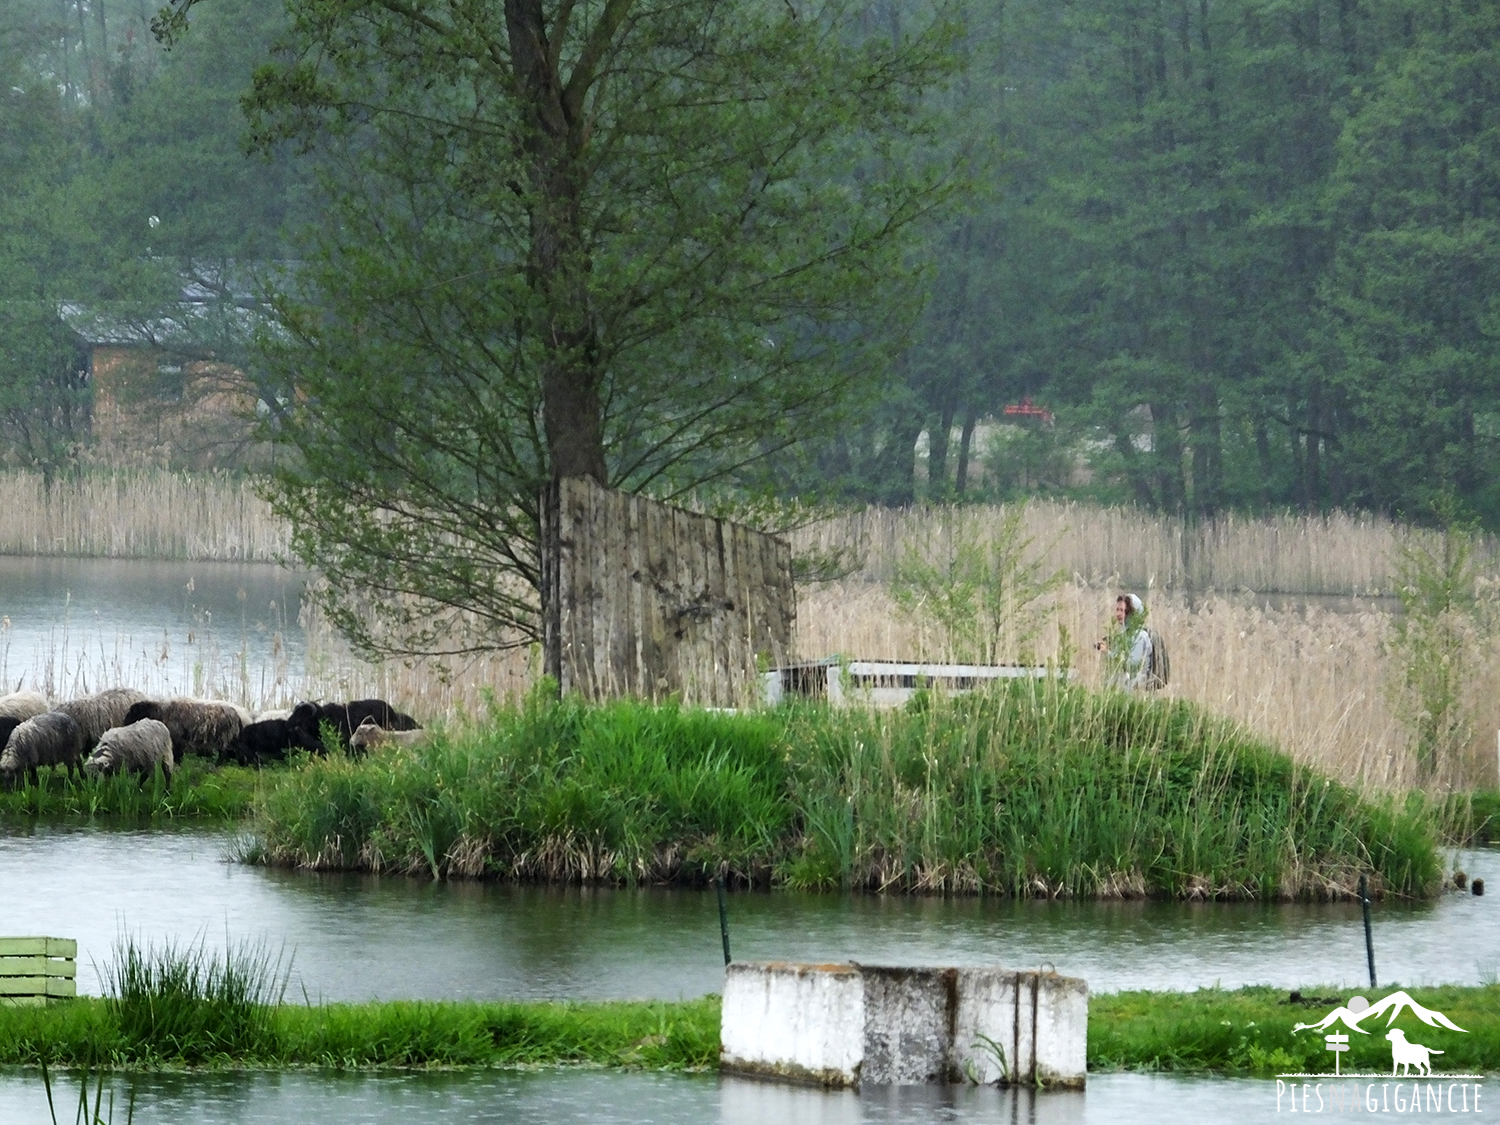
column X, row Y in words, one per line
column 308, row 718
column 269, row 741
column 8, row 723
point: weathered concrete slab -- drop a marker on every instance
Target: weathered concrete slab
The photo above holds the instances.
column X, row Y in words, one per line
column 801, row 1022
column 848, row 1025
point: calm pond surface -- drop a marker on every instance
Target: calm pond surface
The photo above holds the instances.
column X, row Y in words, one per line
column 355, row 937
column 606, row 1098
column 73, row 625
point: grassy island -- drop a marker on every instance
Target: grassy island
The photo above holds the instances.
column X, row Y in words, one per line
column 1030, row 789
column 1041, row 789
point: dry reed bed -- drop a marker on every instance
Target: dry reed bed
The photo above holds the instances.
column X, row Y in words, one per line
column 1339, row 554
column 1314, row 680
column 139, row 514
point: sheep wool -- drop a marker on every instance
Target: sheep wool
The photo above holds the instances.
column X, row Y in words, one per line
column 23, row 705
column 138, row 748
column 95, row 714
column 204, row 727
column 51, row 739
column 370, row 734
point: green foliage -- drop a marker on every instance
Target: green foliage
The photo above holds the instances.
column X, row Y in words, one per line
column 1249, row 1031
column 1447, row 618
column 982, row 590
column 1036, row 788
column 195, row 791
column 657, row 295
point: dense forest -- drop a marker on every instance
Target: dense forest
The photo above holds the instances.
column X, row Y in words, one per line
column 1242, row 254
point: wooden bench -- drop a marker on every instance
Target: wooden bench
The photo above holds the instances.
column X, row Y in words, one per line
column 37, row 970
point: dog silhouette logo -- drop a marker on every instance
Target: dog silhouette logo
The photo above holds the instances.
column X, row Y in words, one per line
column 1407, row 1055
column 1404, row 1053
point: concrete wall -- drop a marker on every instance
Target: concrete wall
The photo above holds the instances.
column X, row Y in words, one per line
column 847, row 1025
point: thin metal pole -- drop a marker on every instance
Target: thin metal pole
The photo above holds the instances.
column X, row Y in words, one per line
column 724, row 918
column 1364, row 901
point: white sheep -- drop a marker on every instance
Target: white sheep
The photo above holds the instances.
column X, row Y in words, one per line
column 137, row 748
column 197, row 726
column 50, row 739
column 23, row 705
column 95, row 714
column 370, row 734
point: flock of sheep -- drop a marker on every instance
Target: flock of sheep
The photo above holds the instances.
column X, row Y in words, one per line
column 125, row 731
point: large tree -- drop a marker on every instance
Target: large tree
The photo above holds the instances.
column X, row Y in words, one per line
column 643, row 241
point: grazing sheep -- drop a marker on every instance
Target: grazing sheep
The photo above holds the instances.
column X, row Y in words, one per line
column 50, row 739
column 23, row 705
column 138, row 748
column 345, row 718
column 8, row 723
column 370, row 734
column 269, row 740
column 95, row 714
column 197, row 726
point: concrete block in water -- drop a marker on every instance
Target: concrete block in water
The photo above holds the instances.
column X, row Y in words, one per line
column 847, row 1025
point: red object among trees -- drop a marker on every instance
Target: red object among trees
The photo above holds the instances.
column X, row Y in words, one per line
column 1027, row 409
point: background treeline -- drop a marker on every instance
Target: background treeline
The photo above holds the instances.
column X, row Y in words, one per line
column 124, row 179
column 1244, row 250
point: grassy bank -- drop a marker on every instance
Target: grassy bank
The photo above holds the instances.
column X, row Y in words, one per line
column 197, row 791
column 1249, row 1031
column 89, row 1032
column 1244, row 1032
column 1034, row 789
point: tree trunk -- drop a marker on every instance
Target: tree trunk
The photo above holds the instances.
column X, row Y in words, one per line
column 572, row 414
column 961, row 482
column 937, row 453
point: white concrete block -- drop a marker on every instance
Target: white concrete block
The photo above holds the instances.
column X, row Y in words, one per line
column 802, row 1022
column 845, row 1025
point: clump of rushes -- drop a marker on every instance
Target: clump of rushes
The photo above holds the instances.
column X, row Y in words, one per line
column 1029, row 789
column 194, row 1004
column 198, row 790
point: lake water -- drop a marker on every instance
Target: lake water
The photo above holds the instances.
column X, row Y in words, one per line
column 70, row 626
column 357, row 937
column 563, row 1097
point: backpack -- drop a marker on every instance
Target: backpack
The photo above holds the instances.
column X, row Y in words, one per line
column 1159, row 671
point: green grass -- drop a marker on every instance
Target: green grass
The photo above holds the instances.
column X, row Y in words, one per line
column 669, row 1036
column 188, row 1006
column 1033, row 789
column 197, row 791
column 1245, row 1032
column 1249, row 1031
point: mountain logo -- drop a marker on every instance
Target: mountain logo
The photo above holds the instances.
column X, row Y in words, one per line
column 1358, row 1010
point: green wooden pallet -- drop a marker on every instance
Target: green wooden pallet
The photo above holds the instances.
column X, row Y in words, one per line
column 37, row 970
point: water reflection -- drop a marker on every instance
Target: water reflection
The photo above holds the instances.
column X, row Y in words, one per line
column 606, row 1098
column 354, row 936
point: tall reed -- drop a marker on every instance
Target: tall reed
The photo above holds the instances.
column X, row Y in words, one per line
column 1026, row 790
column 139, row 514
column 1340, row 554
